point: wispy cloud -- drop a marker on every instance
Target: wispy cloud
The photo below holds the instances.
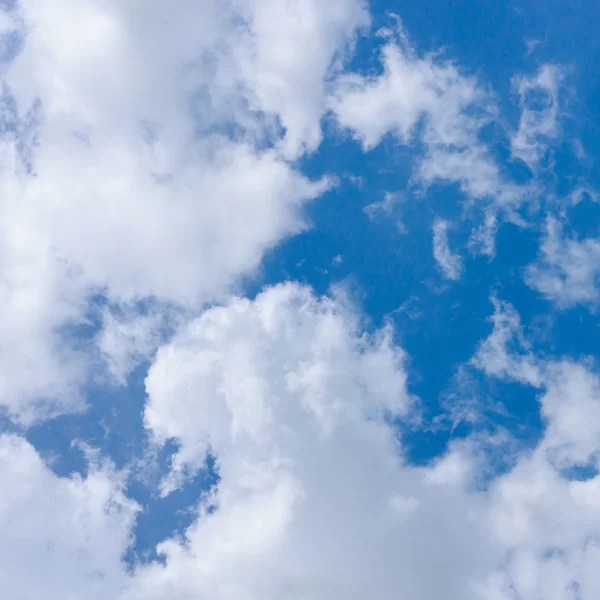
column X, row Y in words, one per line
column 449, row 263
column 567, row 270
column 539, row 100
column 427, row 99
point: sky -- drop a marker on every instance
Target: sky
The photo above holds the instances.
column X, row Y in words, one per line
column 299, row 300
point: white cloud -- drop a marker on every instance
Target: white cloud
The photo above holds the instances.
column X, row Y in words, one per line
column 547, row 520
column 324, row 371
column 315, row 499
column 430, row 99
column 293, row 49
column 550, row 527
column 411, row 89
column 385, row 206
column 290, row 430
column 159, row 166
column 130, row 336
column 130, row 194
column 505, row 353
column 540, row 111
column 570, row 402
column 571, row 407
column 60, row 537
column 449, row 263
column 567, row 270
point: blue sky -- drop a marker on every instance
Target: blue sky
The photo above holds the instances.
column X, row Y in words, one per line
column 299, row 300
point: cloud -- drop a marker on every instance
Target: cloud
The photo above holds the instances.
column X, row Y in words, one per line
column 130, row 335
column 549, row 525
column 326, row 353
column 155, row 175
column 540, row 111
column 570, row 403
column 61, row 537
column 571, row 407
column 135, row 169
column 567, row 270
column 288, row 517
column 505, row 353
column 547, row 518
column 450, row 264
column 386, row 206
column 428, row 99
column 412, row 91
column 292, row 50
column 315, row 498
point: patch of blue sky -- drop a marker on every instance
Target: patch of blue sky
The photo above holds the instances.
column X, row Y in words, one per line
column 113, row 426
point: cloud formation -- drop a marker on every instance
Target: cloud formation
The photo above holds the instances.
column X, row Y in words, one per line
column 449, row 263
column 315, row 497
column 61, row 537
column 137, row 170
column 427, row 99
column 294, row 428
column 150, row 156
column 567, row 271
column 539, row 124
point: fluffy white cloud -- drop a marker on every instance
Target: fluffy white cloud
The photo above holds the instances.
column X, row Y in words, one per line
column 547, row 520
column 60, row 537
column 315, row 499
column 430, row 97
column 160, row 173
column 292, row 49
column 134, row 168
column 449, row 263
column 323, row 372
column 567, row 270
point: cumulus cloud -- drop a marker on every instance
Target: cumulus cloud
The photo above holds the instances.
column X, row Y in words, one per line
column 548, row 518
column 298, row 405
column 549, row 525
column 295, row 427
column 325, row 356
column 449, row 263
column 567, row 270
column 155, row 175
column 313, row 498
column 61, row 537
column 135, row 169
